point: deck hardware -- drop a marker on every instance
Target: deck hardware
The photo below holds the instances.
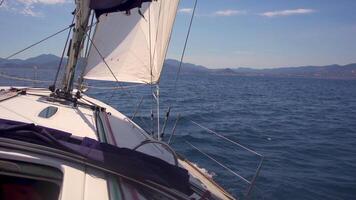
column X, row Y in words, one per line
column 48, row 112
column 251, row 183
column 137, row 109
column 174, row 129
column 166, row 146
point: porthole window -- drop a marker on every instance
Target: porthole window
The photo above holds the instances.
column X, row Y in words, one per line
column 48, row 112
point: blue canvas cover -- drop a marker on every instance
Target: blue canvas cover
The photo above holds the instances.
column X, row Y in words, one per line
column 133, row 164
column 107, row 6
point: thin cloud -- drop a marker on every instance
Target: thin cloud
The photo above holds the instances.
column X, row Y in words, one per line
column 227, row 13
column 48, row 2
column 29, row 11
column 28, row 7
column 185, row 10
column 299, row 11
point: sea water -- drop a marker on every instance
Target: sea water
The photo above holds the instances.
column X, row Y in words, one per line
column 304, row 128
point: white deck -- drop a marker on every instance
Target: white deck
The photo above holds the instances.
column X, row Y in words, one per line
column 79, row 121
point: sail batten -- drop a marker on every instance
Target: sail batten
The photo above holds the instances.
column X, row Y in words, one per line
column 133, row 46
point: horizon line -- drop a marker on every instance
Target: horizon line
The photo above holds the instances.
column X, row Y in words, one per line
column 211, row 67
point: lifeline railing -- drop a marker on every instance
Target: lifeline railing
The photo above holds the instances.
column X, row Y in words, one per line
column 251, row 183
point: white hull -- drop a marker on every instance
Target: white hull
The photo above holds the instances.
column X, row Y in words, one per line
column 79, row 180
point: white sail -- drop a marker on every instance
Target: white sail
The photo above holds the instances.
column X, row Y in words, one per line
column 133, row 46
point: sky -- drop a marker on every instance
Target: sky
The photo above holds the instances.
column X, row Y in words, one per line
column 225, row 33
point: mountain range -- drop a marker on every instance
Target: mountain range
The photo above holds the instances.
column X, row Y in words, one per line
column 325, row 72
column 48, row 61
column 44, row 60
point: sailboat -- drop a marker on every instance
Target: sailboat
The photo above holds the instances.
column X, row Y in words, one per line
column 59, row 143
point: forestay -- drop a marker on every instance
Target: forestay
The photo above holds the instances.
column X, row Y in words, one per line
column 133, row 46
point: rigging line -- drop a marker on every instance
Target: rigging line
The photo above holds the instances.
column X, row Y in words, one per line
column 106, row 64
column 86, row 54
column 183, row 51
column 48, row 37
column 219, row 163
column 114, row 88
column 225, row 138
column 102, row 57
column 87, row 51
column 150, row 63
column 3, row 75
column 185, row 45
column 22, row 79
column 63, row 52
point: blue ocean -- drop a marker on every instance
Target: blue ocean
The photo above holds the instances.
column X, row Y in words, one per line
column 304, row 128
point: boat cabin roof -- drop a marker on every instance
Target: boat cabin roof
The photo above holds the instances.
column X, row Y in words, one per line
column 80, row 181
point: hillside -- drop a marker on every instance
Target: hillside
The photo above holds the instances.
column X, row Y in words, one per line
column 330, row 72
column 48, row 61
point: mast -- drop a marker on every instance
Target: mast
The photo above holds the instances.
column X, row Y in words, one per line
column 82, row 14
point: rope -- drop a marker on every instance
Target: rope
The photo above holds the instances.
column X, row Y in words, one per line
column 185, row 45
column 3, row 75
column 151, row 73
column 22, row 79
column 183, row 53
column 219, row 163
column 103, row 59
column 151, row 58
column 46, row 38
column 86, row 53
column 225, row 138
column 182, row 56
column 114, row 88
column 107, row 65
column 64, row 49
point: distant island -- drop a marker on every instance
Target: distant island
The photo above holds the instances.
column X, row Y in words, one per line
column 321, row 72
column 49, row 61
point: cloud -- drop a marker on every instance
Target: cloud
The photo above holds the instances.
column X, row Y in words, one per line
column 185, row 10
column 299, row 11
column 227, row 13
column 46, row 2
column 29, row 11
column 28, row 7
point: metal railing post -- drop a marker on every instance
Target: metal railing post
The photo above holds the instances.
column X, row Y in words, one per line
column 137, row 109
column 253, row 181
column 174, row 129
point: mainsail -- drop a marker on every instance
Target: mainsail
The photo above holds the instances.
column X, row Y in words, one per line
column 131, row 47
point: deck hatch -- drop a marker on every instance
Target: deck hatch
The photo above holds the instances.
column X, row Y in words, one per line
column 48, row 112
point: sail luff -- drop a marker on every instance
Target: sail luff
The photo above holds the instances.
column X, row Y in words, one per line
column 175, row 7
column 127, row 45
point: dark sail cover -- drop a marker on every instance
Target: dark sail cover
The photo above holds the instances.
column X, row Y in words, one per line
column 107, row 6
column 133, row 164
